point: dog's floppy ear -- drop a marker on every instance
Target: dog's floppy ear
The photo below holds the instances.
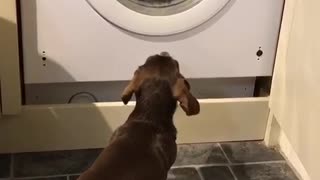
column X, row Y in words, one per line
column 131, row 88
column 188, row 102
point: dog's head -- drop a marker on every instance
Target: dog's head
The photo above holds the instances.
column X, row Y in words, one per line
column 164, row 67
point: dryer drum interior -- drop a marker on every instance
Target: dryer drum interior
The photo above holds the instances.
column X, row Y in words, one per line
column 159, row 7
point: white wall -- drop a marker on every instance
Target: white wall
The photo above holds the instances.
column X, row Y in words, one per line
column 10, row 93
column 295, row 93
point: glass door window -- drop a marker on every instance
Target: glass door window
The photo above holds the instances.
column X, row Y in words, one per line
column 159, row 7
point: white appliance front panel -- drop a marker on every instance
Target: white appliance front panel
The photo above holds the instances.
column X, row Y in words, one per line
column 68, row 41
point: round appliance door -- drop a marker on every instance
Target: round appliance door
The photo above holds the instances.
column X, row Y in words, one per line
column 157, row 17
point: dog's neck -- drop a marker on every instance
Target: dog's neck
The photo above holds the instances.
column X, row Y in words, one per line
column 155, row 104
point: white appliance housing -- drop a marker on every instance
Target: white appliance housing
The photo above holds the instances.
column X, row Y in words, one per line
column 103, row 40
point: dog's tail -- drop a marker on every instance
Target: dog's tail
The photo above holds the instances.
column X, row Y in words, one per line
column 166, row 54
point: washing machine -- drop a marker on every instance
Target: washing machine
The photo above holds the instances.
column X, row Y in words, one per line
column 94, row 46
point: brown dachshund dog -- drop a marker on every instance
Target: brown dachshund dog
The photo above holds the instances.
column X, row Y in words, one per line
column 144, row 147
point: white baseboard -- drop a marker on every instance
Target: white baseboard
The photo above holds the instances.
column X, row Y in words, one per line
column 66, row 127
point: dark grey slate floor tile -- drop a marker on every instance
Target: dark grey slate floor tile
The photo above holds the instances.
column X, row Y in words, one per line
column 183, row 174
column 53, row 163
column 42, row 178
column 272, row 171
column 5, row 162
column 250, row 152
column 216, row 173
column 195, row 154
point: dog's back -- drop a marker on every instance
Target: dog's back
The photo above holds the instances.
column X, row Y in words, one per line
column 135, row 155
column 144, row 148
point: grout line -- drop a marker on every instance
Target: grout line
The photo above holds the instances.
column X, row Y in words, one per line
column 69, row 176
column 224, row 153
column 200, row 173
column 229, row 161
column 227, row 164
column 74, row 174
column 232, row 173
column 261, row 162
column 50, row 176
column 39, row 177
column 11, row 166
column 229, row 167
column 198, row 166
